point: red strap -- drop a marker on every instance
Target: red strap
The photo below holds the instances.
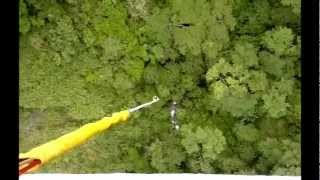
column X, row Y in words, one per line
column 32, row 164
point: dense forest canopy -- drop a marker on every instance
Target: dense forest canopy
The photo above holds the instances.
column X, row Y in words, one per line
column 233, row 67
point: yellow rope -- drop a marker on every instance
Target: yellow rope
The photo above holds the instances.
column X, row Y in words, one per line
column 57, row 147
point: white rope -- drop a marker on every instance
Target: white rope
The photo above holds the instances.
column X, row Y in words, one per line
column 154, row 100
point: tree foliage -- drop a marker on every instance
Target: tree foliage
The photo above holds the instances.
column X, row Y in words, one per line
column 232, row 66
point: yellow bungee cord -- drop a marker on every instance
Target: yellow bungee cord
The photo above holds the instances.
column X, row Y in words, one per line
column 36, row 157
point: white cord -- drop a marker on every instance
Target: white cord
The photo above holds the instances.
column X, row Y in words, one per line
column 154, row 100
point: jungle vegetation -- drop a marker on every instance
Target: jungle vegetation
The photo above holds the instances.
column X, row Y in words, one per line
column 233, row 66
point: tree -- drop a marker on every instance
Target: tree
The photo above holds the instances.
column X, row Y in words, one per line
column 233, row 67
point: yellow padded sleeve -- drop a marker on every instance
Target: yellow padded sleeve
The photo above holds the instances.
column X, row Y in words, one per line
column 75, row 138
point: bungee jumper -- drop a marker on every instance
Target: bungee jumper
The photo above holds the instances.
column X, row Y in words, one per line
column 36, row 157
column 173, row 114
